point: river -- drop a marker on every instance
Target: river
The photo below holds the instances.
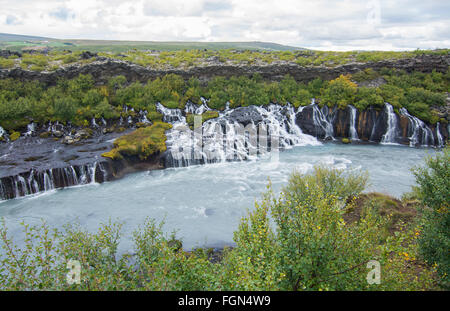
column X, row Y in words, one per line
column 204, row 203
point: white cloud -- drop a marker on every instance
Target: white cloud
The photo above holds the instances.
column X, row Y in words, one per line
column 321, row 24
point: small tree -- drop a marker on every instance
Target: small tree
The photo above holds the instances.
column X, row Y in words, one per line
column 434, row 192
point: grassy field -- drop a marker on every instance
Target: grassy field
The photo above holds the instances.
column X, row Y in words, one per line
column 18, row 42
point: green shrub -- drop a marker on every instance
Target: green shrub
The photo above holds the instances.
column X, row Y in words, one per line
column 311, row 247
column 6, row 63
column 434, row 192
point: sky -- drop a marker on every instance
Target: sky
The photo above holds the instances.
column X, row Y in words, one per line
column 317, row 24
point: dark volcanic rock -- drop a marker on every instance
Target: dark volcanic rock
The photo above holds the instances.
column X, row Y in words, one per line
column 245, row 115
column 306, row 120
column 8, row 53
column 103, row 69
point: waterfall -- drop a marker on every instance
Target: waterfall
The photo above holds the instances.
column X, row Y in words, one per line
column 223, row 139
column 32, row 182
column 2, row 132
column 320, row 120
column 353, row 132
column 31, row 128
column 421, row 133
column 20, row 181
column 192, row 108
column 103, row 122
column 143, row 115
column 439, row 135
column 94, row 124
column 37, row 181
column 92, row 170
column 391, row 133
column 48, row 180
column 171, row 115
column 2, row 190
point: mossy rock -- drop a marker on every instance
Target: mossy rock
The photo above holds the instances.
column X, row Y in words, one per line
column 14, row 136
column 346, row 141
column 141, row 124
column 144, row 142
column 45, row 135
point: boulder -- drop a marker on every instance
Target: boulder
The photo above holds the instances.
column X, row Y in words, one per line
column 245, row 115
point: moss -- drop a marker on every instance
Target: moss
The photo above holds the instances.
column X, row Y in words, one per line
column 346, row 141
column 120, row 129
column 205, row 116
column 141, row 124
column 144, row 142
column 44, row 134
column 14, row 136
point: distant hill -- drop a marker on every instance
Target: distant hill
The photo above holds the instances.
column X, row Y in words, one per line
column 17, row 42
column 12, row 37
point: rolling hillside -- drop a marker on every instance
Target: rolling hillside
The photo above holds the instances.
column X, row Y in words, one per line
column 18, row 42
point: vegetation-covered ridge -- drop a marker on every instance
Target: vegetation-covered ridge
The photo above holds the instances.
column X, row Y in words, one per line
column 184, row 59
column 79, row 100
column 319, row 233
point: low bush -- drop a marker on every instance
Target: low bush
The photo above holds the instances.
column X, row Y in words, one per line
column 433, row 190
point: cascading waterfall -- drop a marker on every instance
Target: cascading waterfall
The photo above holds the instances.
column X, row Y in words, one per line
column 421, row 133
column 222, row 139
column 39, row 181
column 320, row 120
column 171, row 115
column 94, row 124
column 2, row 132
column 49, row 183
column 391, row 133
column 143, row 115
column 439, row 135
column 31, row 128
column 353, row 132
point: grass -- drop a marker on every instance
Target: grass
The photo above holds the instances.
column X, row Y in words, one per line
column 166, row 55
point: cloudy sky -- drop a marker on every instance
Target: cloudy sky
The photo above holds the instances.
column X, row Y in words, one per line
column 318, row 24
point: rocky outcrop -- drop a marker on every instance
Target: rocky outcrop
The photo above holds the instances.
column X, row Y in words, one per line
column 371, row 125
column 245, row 115
column 105, row 68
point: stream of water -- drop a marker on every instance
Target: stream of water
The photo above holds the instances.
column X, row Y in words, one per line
column 205, row 202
